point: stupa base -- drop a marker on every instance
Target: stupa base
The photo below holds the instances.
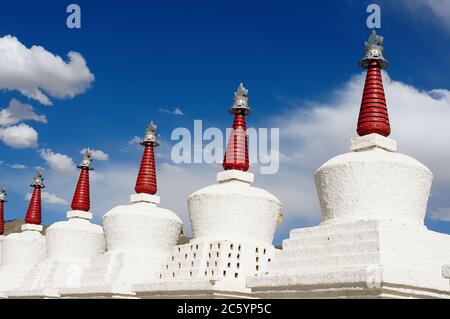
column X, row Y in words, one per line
column 359, row 259
column 206, row 268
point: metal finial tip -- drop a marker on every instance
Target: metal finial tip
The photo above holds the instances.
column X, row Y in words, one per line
column 374, row 51
column 38, row 180
column 375, row 39
column 86, row 160
column 242, row 91
column 2, row 194
column 240, row 101
column 151, row 135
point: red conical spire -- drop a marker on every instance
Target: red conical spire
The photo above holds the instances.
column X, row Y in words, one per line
column 34, row 215
column 2, row 216
column 373, row 115
column 146, row 181
column 81, row 199
column 236, row 155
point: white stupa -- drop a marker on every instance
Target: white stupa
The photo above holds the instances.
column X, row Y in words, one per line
column 372, row 241
column 23, row 252
column 233, row 226
column 139, row 237
column 71, row 244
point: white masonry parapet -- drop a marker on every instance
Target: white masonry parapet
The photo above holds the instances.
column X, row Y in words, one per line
column 372, row 242
column 233, row 225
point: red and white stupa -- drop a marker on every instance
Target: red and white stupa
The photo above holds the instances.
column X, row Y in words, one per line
column 2, row 216
column 233, row 225
column 139, row 236
column 372, row 242
column 71, row 244
column 22, row 252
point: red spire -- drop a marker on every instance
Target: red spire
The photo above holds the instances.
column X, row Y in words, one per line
column 2, row 219
column 236, row 155
column 146, row 180
column 34, row 215
column 373, row 115
column 81, row 198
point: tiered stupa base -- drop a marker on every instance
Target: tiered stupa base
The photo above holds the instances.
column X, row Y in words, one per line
column 209, row 269
column 361, row 259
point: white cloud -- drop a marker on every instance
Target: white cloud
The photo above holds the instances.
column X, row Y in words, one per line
column 177, row 111
column 50, row 198
column 135, row 140
column 440, row 214
column 17, row 112
column 38, row 73
column 438, row 9
column 19, row 136
column 18, row 166
column 97, row 154
column 61, row 164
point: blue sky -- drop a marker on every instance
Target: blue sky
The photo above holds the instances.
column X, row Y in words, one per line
column 149, row 55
